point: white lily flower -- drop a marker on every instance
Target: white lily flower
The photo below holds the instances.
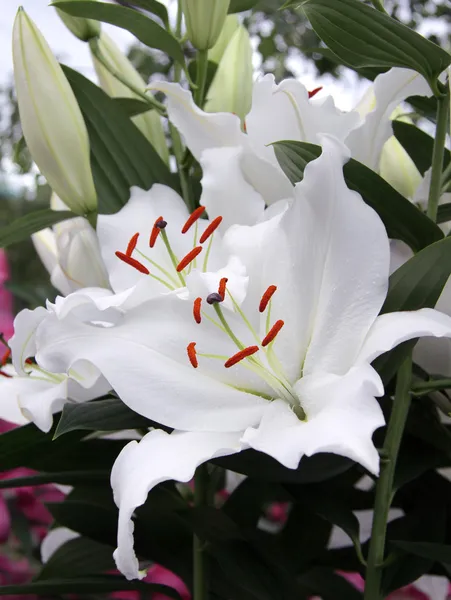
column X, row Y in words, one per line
column 30, row 393
column 240, row 170
column 51, row 119
column 70, row 253
column 287, row 372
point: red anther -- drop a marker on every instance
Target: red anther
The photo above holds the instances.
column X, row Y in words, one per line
column 210, row 229
column 244, row 127
column 154, row 233
column 196, row 310
column 132, row 244
column 273, row 332
column 5, row 357
column 193, row 218
column 188, row 258
column 191, row 350
column 3, row 374
column 133, row 263
column 266, row 298
column 315, row 91
column 240, row 355
column 222, row 287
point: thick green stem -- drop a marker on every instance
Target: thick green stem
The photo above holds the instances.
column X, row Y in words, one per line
column 435, row 189
column 201, row 79
column 93, row 44
column 424, row 387
column 384, row 488
column 379, row 5
column 200, row 586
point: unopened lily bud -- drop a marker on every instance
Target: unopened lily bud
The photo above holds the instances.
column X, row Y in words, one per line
column 231, row 89
column 51, row 119
column 230, row 26
column 204, row 20
column 396, row 166
column 149, row 123
column 70, row 252
column 84, row 29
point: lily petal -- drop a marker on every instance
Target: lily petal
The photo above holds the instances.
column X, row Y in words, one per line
column 225, row 191
column 10, row 388
column 342, row 415
column 201, row 130
column 156, row 458
column 392, row 329
column 23, row 342
column 377, row 105
column 149, row 345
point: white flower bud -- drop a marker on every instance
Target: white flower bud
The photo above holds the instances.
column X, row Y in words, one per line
column 231, row 89
column 70, row 252
column 230, row 26
column 149, row 123
column 51, row 119
column 204, row 20
column 84, row 29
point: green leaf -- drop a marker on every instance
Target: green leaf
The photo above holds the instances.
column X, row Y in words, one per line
column 102, row 415
column 147, row 31
column 22, row 228
column 444, row 213
column 364, row 37
column 241, row 5
column 121, row 156
column 329, row 585
column 436, row 552
column 261, row 466
column 418, row 145
column 153, row 7
column 401, row 218
column 87, row 586
column 132, row 106
column 80, row 556
column 418, row 283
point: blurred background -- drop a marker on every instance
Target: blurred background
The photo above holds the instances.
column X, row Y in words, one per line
column 283, row 42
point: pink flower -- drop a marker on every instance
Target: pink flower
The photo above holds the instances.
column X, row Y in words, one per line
column 5, row 521
column 160, row 575
column 15, row 572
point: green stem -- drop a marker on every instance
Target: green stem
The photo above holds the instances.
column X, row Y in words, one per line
column 199, row 563
column 437, row 156
column 384, row 487
column 431, row 385
column 93, row 44
column 201, row 79
column 379, row 5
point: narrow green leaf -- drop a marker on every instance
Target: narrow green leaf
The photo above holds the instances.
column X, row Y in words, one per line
column 132, row 106
column 418, row 145
column 241, row 5
column 444, row 213
column 147, row 31
column 418, row 283
column 77, row 557
column 121, row 156
column 436, row 552
column 364, row 37
column 22, row 228
column 331, row 586
column 103, row 415
column 153, row 7
column 86, row 586
column 401, row 218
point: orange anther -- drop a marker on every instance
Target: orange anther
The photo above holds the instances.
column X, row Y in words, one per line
column 193, row 218
column 222, row 287
column 154, row 233
column 132, row 244
column 189, row 258
column 210, row 229
column 236, row 358
column 266, row 298
column 315, row 91
column 191, row 351
column 132, row 262
column 196, row 310
column 273, row 332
